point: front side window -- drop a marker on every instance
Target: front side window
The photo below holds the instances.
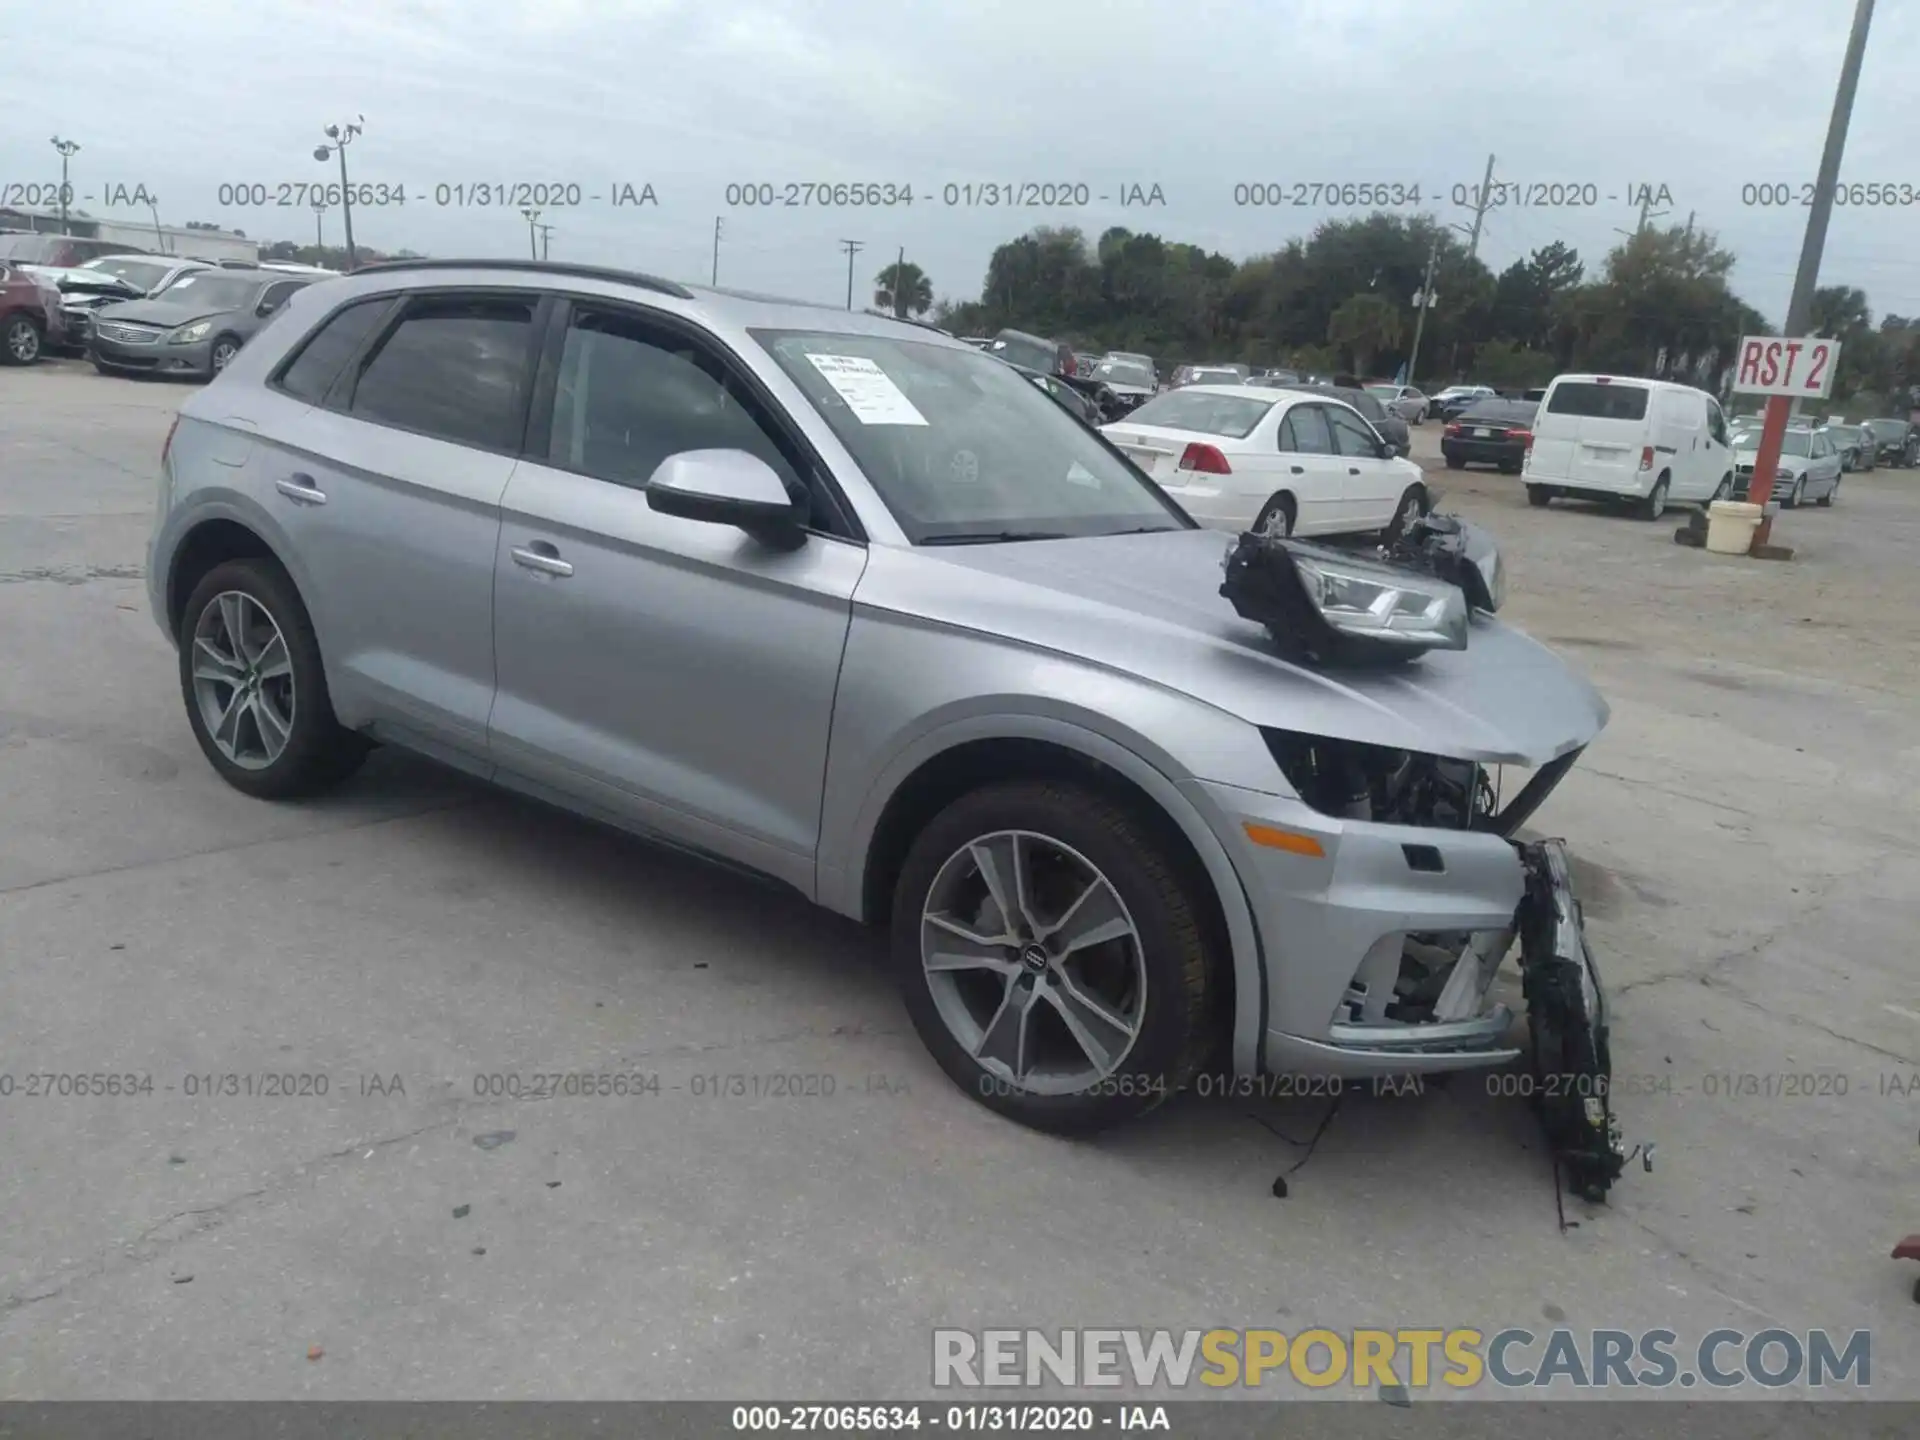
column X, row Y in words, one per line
column 454, row 368
column 962, row 448
column 630, row 394
column 1352, row 436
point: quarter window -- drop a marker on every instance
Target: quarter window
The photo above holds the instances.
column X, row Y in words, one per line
column 331, row 346
column 455, row 368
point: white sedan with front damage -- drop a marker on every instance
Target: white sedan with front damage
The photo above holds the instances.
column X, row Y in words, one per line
column 1241, row 457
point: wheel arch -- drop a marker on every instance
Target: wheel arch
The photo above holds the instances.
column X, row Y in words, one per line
column 960, row 757
column 214, row 538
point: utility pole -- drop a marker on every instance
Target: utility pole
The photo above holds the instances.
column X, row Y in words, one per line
column 159, row 235
column 1423, row 302
column 67, row 149
column 533, row 234
column 1807, row 275
column 546, row 234
column 343, row 136
column 852, row 247
column 899, row 271
column 1481, row 205
column 716, row 250
column 1647, row 212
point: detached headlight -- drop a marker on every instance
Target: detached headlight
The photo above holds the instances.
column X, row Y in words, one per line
column 1405, row 609
column 187, row 334
column 1330, row 607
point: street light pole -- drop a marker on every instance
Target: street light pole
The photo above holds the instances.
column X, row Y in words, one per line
column 67, row 149
column 1773, row 432
column 319, row 234
column 343, row 136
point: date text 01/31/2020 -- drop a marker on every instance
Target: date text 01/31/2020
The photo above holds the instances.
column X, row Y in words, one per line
column 460, row 195
column 985, row 194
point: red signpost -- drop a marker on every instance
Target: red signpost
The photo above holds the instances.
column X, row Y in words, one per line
column 1783, row 370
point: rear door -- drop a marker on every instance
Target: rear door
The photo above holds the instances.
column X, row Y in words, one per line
column 1590, row 434
column 392, row 485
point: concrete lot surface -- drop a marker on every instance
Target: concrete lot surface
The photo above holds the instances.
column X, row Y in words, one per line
column 1748, row 854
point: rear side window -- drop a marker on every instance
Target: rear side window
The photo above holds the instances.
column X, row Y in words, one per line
column 454, row 368
column 330, row 347
column 1591, row 401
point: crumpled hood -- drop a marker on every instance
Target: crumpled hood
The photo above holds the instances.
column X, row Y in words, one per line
column 1150, row 605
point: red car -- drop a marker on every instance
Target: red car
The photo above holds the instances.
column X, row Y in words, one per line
column 29, row 314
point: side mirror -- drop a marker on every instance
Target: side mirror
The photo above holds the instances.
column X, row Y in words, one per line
column 727, row 487
column 266, row 307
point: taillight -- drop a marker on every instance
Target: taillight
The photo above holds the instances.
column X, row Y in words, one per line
column 1452, row 430
column 1525, row 437
column 1205, row 460
column 1646, row 457
column 166, row 446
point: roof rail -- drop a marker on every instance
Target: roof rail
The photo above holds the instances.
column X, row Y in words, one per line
column 541, row 267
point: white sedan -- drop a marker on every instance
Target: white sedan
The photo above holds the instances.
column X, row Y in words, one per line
column 1238, row 457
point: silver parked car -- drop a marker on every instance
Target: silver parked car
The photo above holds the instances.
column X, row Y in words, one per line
column 1809, row 467
column 192, row 328
column 1403, row 400
column 854, row 605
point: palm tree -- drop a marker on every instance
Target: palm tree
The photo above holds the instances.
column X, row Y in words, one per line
column 914, row 289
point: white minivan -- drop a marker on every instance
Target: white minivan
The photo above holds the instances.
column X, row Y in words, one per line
column 1604, row 437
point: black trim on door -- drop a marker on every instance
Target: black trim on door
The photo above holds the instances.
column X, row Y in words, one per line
column 825, row 489
column 275, row 381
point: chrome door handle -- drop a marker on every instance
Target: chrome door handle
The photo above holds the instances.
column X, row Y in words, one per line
column 542, row 557
column 301, row 490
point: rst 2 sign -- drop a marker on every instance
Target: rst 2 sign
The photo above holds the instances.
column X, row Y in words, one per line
column 1771, row 365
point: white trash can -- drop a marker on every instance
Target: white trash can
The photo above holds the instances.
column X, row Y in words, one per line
column 1730, row 526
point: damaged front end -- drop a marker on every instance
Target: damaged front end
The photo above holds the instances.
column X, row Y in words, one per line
column 1432, row 888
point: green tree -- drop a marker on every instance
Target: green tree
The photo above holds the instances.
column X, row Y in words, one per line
column 1363, row 326
column 903, row 289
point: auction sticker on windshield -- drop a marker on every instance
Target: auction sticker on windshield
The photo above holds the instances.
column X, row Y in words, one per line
column 868, row 390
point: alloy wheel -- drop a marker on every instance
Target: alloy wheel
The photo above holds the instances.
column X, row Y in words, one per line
column 1033, row 962
column 23, row 342
column 243, row 680
column 223, row 354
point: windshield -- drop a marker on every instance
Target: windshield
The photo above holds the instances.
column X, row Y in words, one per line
column 963, row 448
column 1123, row 372
column 1234, row 416
column 210, row 292
column 142, row 274
column 1214, row 377
column 1794, row 442
column 1888, row 429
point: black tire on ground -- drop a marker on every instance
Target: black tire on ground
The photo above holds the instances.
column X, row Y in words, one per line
column 1832, row 495
column 1177, row 1023
column 319, row 753
column 1412, row 504
column 1507, row 467
column 226, row 345
column 1791, row 500
column 1279, row 504
column 1655, row 505
column 20, row 340
column 1455, row 463
column 1539, row 496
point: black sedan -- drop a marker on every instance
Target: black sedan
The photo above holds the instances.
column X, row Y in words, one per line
column 1491, row 432
column 1895, row 442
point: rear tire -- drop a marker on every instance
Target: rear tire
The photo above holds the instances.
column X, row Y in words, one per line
column 255, row 688
column 1144, row 998
column 20, row 340
column 1277, row 517
column 1655, row 505
column 1455, row 464
column 1539, row 496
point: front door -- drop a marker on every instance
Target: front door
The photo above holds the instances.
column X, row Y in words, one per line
column 677, row 674
column 1370, row 485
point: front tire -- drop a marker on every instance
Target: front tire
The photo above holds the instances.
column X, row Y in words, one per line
column 1051, row 956
column 221, row 356
column 1833, row 494
column 1792, row 502
column 255, row 689
column 1413, row 504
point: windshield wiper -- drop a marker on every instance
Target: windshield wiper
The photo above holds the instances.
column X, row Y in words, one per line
column 993, row 537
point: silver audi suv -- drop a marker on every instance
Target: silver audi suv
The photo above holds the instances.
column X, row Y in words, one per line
column 851, row 603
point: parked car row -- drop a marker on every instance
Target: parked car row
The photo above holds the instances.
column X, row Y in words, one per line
column 142, row 314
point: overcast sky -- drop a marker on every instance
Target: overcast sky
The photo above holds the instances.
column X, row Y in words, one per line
column 1704, row 97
